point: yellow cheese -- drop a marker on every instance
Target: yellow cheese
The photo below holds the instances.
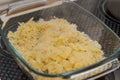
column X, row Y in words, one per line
column 55, row 46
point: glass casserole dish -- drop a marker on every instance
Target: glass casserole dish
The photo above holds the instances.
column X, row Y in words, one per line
column 75, row 14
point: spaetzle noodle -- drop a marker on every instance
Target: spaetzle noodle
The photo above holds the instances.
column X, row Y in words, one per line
column 55, row 46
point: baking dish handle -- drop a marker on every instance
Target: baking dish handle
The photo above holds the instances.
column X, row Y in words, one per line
column 98, row 71
column 24, row 5
column 19, row 6
column 112, row 63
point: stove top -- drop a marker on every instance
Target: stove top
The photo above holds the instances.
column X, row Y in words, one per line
column 10, row 71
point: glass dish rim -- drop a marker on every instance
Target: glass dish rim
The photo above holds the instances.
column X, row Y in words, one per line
column 66, row 74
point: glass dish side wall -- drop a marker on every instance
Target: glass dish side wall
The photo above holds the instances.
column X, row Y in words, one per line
column 74, row 14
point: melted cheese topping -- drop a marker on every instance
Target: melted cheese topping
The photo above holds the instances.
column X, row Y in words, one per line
column 55, row 46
